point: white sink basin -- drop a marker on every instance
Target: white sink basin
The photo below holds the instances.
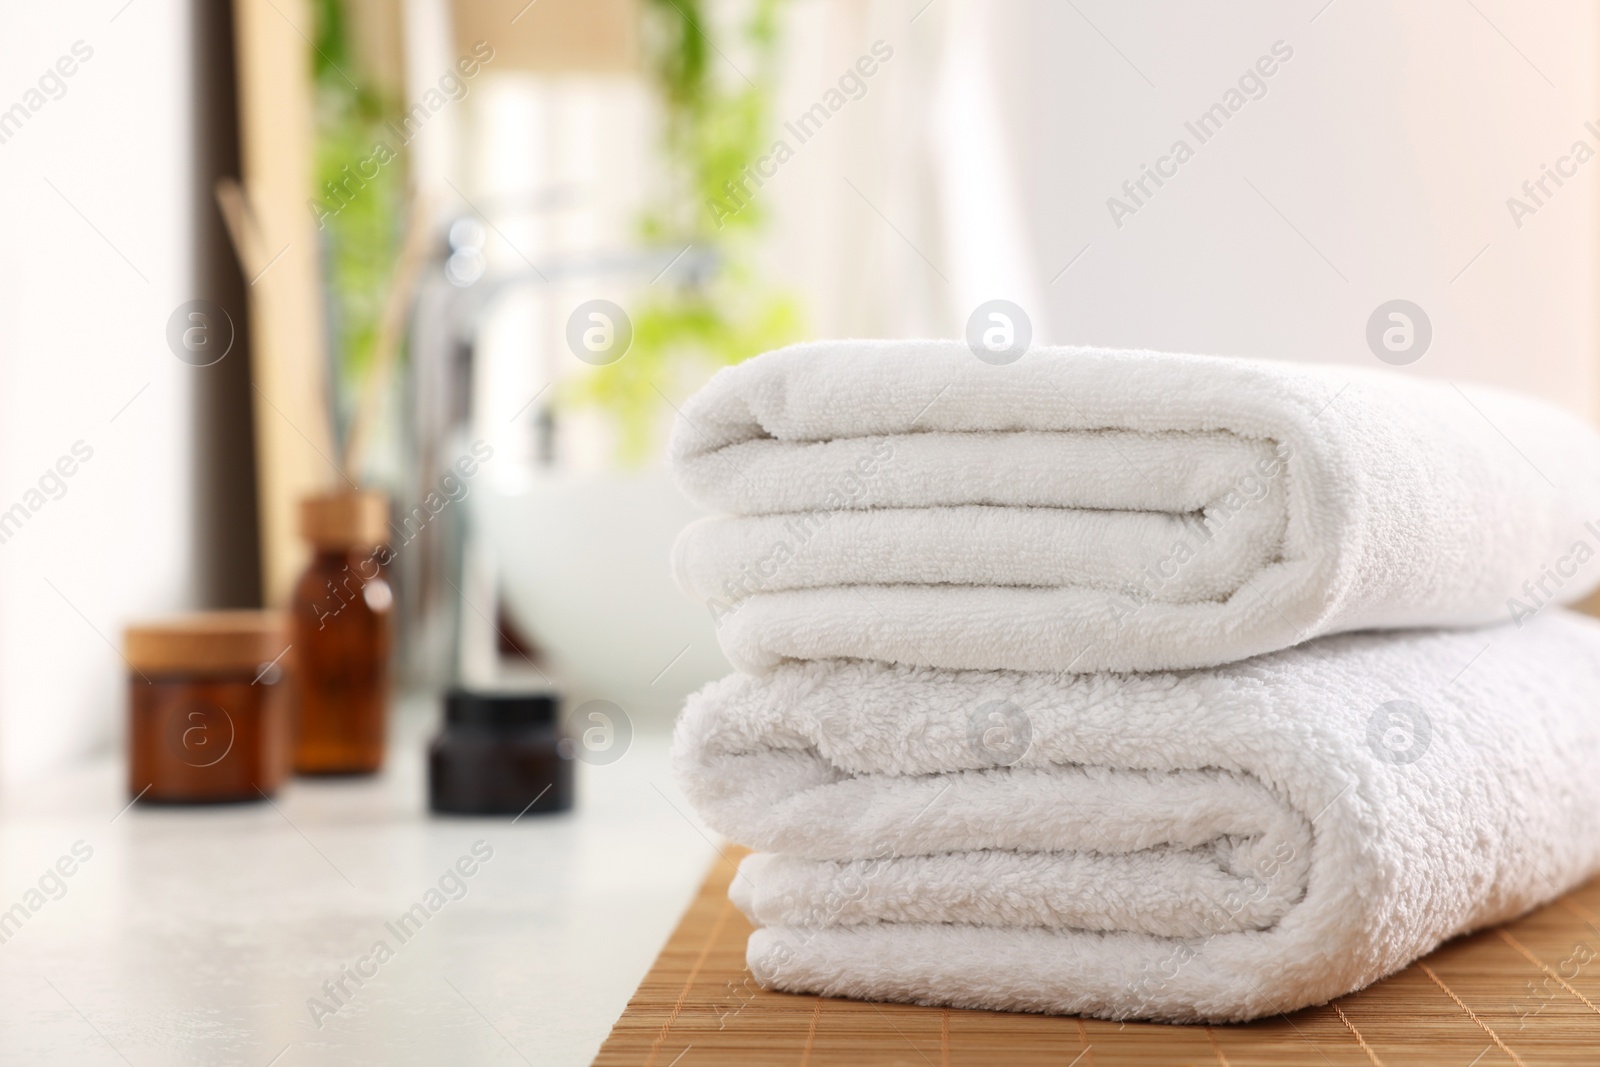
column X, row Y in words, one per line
column 583, row 564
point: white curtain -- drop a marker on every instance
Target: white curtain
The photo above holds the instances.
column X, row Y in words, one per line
column 900, row 214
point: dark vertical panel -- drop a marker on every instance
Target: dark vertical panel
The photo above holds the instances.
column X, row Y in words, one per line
column 228, row 563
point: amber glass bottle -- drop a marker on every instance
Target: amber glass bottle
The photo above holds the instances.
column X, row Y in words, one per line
column 342, row 624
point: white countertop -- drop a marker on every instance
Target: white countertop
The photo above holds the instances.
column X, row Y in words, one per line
column 198, row 935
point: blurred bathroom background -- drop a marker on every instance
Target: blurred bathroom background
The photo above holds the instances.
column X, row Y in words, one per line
column 459, row 183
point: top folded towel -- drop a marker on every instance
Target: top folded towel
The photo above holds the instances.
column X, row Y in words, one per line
column 1089, row 510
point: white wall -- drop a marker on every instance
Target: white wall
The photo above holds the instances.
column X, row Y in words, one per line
column 94, row 257
column 1390, row 140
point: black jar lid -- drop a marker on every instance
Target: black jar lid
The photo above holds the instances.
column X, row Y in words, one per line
column 500, row 710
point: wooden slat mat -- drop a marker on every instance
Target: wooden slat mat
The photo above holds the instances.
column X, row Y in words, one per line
column 1528, row 993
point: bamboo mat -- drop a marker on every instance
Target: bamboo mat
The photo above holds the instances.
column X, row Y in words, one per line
column 1528, row 994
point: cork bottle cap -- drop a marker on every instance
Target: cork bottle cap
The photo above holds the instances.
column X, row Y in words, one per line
column 206, row 642
column 345, row 520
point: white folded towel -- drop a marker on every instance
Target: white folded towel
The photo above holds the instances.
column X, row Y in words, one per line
column 1213, row 845
column 1094, row 510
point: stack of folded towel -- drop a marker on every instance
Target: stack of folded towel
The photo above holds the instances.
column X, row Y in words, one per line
column 1051, row 697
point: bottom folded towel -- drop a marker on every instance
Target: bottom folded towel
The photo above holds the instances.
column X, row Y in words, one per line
column 1201, row 845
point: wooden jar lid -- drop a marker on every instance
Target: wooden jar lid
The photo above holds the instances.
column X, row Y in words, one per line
column 345, row 520
column 206, row 642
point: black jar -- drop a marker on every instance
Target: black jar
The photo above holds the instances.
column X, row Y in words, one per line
column 499, row 754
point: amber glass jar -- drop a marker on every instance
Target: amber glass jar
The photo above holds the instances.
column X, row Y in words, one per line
column 342, row 626
column 208, row 710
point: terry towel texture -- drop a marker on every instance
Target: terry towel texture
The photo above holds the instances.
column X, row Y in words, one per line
column 1092, row 510
column 1213, row 845
column 1053, row 703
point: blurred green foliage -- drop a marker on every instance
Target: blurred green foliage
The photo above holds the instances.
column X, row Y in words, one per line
column 716, row 123
column 360, row 205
